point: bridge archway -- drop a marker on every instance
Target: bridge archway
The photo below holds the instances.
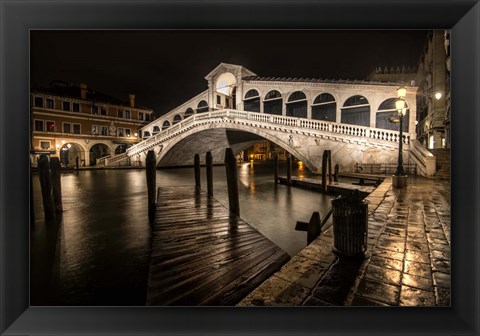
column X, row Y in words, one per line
column 251, row 101
column 98, row 151
column 324, row 107
column 387, row 116
column 356, row 111
column 296, row 105
column 69, row 152
column 216, row 137
column 273, row 103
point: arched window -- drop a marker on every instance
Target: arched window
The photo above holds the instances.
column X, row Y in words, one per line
column 166, row 124
column 297, row 105
column 121, row 149
column 272, row 103
column 387, row 116
column 356, row 111
column 202, row 106
column 189, row 112
column 146, row 134
column 177, row 119
column 155, row 130
column 324, row 107
column 251, row 102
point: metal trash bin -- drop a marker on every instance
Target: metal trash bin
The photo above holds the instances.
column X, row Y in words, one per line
column 350, row 225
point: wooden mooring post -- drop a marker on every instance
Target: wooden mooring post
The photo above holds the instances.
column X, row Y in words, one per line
column 232, row 181
column 56, row 184
column 289, row 169
column 209, row 168
column 335, row 175
column 196, row 163
column 276, row 167
column 150, row 165
column 326, row 164
column 46, row 186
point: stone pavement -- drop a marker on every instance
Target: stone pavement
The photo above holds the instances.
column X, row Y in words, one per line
column 408, row 249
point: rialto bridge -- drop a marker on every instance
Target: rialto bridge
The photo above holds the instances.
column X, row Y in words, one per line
column 353, row 119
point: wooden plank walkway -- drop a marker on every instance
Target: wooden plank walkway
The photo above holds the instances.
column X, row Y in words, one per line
column 202, row 254
column 334, row 187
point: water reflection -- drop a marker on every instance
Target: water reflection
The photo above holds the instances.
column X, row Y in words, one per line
column 97, row 252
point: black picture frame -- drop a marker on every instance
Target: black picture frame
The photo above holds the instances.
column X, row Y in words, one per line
column 18, row 17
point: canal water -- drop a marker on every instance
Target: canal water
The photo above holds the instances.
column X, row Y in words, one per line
column 97, row 252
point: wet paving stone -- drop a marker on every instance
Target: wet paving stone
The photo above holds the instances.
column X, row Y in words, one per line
column 413, row 245
column 303, row 271
column 442, row 296
column 365, row 302
column 380, row 252
column 417, row 282
column 391, row 244
column 313, row 301
column 276, row 292
column 440, row 247
column 400, row 233
column 416, row 297
column 380, row 292
column 418, row 269
column 442, row 266
column 384, row 275
column 441, row 280
column 440, row 255
column 386, row 263
column 417, row 256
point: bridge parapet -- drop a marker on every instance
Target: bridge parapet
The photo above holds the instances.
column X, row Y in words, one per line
column 275, row 122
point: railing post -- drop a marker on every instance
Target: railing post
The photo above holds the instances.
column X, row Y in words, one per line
column 150, row 165
column 232, row 183
column 209, row 162
column 196, row 163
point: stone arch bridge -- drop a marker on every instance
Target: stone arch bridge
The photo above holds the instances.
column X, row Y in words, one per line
column 305, row 139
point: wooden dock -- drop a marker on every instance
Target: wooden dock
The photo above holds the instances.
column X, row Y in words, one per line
column 334, row 187
column 202, row 254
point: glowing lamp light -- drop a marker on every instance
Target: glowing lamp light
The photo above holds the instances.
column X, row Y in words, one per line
column 400, row 105
column 401, row 92
column 438, row 95
column 69, row 145
column 135, row 134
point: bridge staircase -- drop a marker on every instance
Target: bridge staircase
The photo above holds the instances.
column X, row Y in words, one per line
column 442, row 156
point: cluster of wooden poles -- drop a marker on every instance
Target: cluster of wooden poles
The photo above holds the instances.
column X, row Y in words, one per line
column 230, row 169
column 50, row 184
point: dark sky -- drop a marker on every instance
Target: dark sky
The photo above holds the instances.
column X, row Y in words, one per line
column 164, row 68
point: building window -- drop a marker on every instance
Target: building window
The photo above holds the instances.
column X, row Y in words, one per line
column 38, row 101
column 127, row 114
column 120, row 132
column 140, row 115
column 103, row 110
column 166, row 124
column 251, row 102
column 120, row 113
column 272, row 103
column 49, row 103
column 66, row 128
column 103, row 130
column 76, row 129
column 45, row 144
column 147, row 117
column 127, row 132
column 66, row 106
column 189, row 111
column 176, row 119
column 50, row 126
column 94, row 109
column 219, row 100
column 38, row 125
column 76, row 107
column 99, row 130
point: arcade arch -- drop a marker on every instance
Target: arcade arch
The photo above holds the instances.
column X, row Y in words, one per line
column 324, row 107
column 356, row 111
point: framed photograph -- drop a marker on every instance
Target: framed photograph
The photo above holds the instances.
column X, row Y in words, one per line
column 77, row 278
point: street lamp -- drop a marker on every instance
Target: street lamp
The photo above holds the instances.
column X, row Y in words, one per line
column 399, row 178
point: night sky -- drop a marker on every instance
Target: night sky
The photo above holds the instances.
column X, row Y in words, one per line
column 164, row 68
